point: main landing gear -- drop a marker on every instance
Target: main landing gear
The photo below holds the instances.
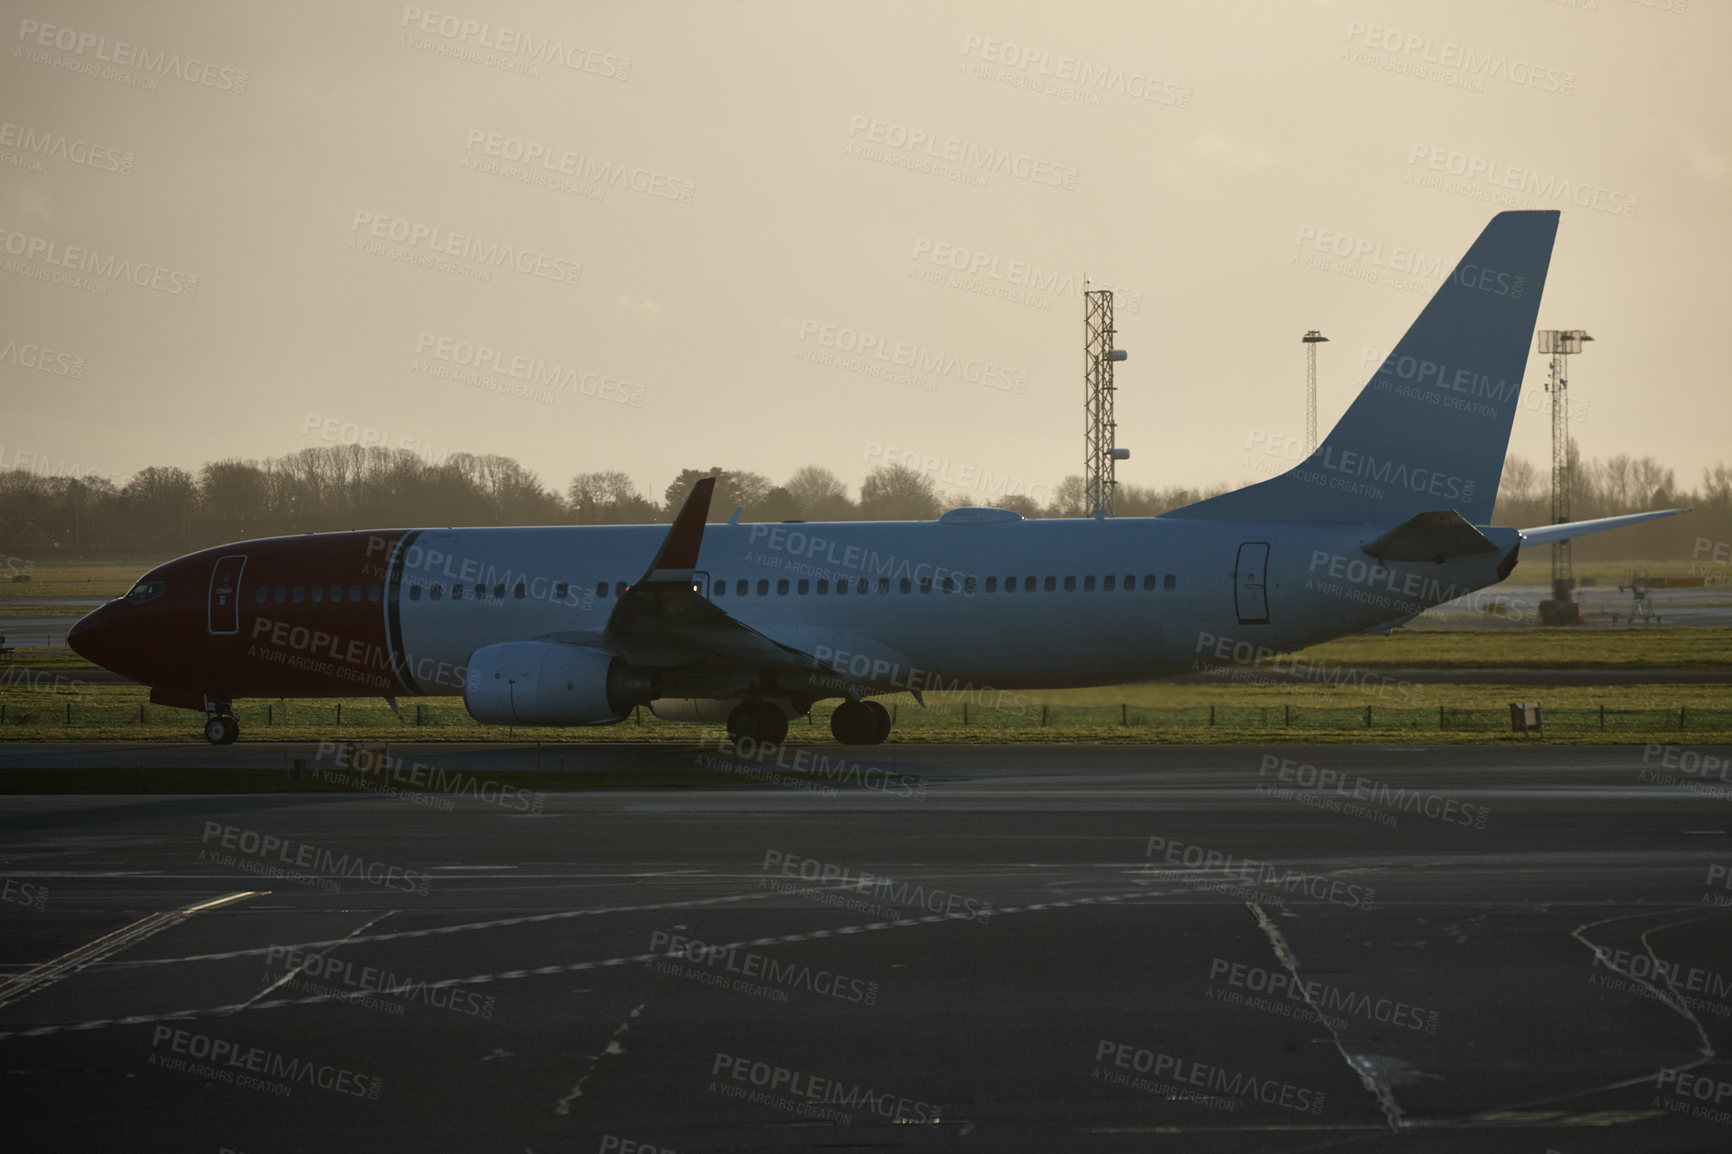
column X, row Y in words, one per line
column 853, row 722
column 762, row 721
column 860, row 723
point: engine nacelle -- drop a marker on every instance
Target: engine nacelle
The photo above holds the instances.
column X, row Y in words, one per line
column 551, row 683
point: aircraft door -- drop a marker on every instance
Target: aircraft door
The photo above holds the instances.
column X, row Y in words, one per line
column 701, row 584
column 225, row 594
column 1251, row 583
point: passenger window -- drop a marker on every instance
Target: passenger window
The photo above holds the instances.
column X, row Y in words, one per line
column 499, row 592
column 601, row 589
column 721, row 588
column 1169, row 582
column 968, row 585
column 1088, row 584
column 805, row 586
column 841, row 586
column 337, row 593
column 1109, row 583
column 318, row 594
column 414, row 592
column 1051, row 584
column 992, row 585
column 355, row 594
column 1070, row 584
column 519, row 591
column 763, row 587
column 437, row 592
column 456, row 592
column 372, row 593
column 950, row 584
column 559, row 591
column 782, row 587
column 1028, row 584
column 261, row 595
column 300, row 594
column 741, row 588
column 823, row 585
column 1130, row 582
column 884, row 585
column 1010, row 584
column 906, row 585
column 1149, row 583
column 926, row 584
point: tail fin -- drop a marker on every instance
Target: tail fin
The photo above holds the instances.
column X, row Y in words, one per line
column 1430, row 430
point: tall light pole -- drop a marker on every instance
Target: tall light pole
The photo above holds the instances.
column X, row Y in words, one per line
column 1311, row 339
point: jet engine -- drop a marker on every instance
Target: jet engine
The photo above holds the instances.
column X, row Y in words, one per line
column 551, row 683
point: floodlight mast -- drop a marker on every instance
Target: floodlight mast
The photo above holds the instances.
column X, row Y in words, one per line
column 1561, row 344
column 1100, row 430
column 1311, row 340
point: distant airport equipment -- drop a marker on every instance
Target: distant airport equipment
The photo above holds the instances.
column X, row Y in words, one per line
column 1561, row 344
column 1637, row 583
column 1100, row 430
column 1311, row 340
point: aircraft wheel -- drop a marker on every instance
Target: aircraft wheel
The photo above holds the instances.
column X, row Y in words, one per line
column 854, row 723
column 222, row 730
column 759, row 720
column 881, row 717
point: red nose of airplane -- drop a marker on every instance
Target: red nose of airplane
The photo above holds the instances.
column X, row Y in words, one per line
column 94, row 638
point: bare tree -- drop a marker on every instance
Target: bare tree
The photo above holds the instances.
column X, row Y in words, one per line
column 1069, row 499
column 1651, row 484
column 608, row 498
column 1520, row 482
column 734, row 490
column 819, row 495
column 898, row 493
column 1616, row 477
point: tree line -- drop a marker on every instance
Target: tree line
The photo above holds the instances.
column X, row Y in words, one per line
column 165, row 510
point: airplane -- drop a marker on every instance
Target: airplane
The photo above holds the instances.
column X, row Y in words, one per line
column 749, row 625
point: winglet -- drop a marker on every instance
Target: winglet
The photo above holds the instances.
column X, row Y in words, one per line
column 678, row 555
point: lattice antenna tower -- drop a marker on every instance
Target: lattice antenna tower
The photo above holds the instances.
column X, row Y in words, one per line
column 1100, row 430
column 1561, row 344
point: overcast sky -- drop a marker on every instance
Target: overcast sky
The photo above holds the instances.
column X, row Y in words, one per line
column 242, row 229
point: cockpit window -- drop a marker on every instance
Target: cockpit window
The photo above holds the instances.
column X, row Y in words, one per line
column 146, row 591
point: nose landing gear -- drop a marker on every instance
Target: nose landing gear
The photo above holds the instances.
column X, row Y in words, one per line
column 221, row 727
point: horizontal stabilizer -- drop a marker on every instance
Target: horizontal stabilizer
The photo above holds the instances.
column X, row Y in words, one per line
column 1435, row 537
column 1546, row 534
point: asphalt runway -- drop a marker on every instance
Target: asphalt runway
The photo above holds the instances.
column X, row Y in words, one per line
column 37, row 630
column 933, row 947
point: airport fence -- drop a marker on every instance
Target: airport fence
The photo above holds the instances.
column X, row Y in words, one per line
column 40, row 712
column 1313, row 718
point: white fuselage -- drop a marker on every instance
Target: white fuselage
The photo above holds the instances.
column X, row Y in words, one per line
column 1199, row 593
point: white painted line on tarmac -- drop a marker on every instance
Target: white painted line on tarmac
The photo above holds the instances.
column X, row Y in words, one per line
column 23, row 985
